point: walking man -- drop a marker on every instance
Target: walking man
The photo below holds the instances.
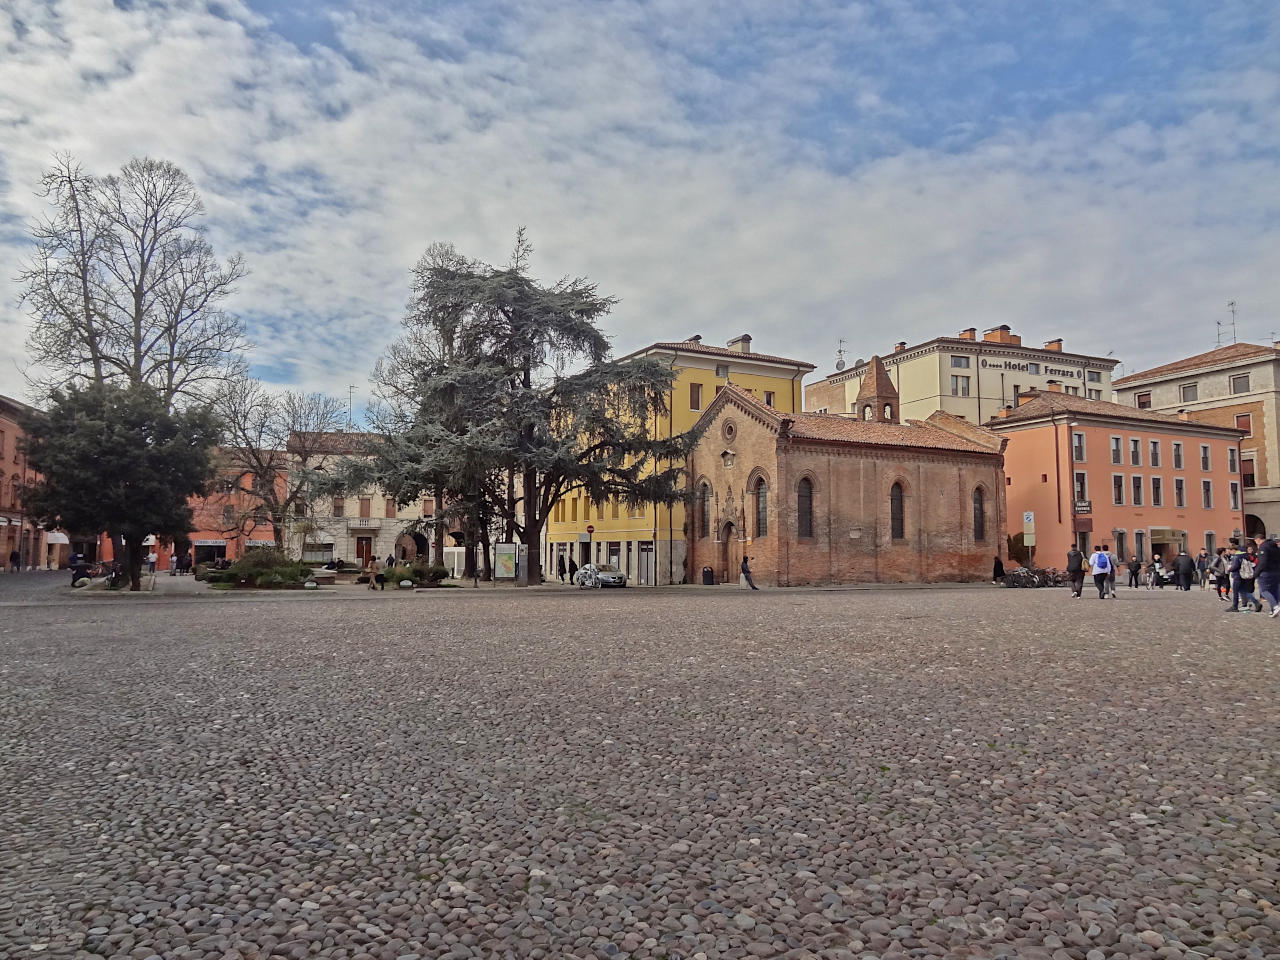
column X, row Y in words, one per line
column 746, row 572
column 1100, row 567
column 1184, row 568
column 1075, row 571
column 1243, row 571
column 1202, row 567
column 375, row 574
column 1114, row 561
column 1269, row 572
column 560, row 567
column 15, row 561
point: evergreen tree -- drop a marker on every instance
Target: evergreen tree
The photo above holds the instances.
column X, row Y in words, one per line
column 475, row 391
column 117, row 459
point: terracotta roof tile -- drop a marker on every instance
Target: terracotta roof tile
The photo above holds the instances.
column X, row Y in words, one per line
column 1045, row 403
column 693, row 346
column 1212, row 358
column 914, row 433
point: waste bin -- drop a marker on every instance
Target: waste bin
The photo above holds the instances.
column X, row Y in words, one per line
column 708, row 577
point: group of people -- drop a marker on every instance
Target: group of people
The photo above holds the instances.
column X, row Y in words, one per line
column 1248, row 573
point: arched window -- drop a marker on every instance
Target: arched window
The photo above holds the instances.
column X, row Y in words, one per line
column 704, row 511
column 888, row 411
column 762, row 508
column 868, row 412
column 979, row 514
column 897, row 523
column 804, row 508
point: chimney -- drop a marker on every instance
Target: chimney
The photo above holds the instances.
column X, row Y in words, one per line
column 1002, row 334
column 742, row 344
column 1026, row 396
column 968, row 333
column 900, row 346
column 1054, row 386
column 1004, row 412
column 1183, row 415
column 696, row 338
column 1055, row 345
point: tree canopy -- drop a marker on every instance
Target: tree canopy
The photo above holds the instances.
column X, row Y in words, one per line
column 498, row 377
column 116, row 459
column 123, row 285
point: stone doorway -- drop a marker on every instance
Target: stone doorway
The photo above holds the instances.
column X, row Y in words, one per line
column 730, row 553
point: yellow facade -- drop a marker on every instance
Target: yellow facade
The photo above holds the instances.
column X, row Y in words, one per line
column 648, row 543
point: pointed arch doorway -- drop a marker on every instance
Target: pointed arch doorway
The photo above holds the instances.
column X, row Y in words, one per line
column 730, row 553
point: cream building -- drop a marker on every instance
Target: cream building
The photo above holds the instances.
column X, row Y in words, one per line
column 1233, row 386
column 968, row 377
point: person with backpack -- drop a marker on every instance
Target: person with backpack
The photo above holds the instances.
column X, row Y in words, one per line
column 1244, row 568
column 1219, row 570
column 1100, row 567
column 1114, row 563
column 1075, row 571
column 1269, row 572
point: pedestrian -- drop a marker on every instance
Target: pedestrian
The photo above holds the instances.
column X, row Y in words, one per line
column 375, row 574
column 1157, row 572
column 1269, row 572
column 74, row 563
column 1244, row 566
column 1075, row 571
column 173, row 564
column 1202, row 567
column 573, row 571
column 1114, row 561
column 1100, row 567
column 997, row 570
column 1184, row 570
column 560, row 567
column 1220, row 572
column 391, row 560
column 746, row 572
column 15, row 561
column 151, row 562
column 1135, row 571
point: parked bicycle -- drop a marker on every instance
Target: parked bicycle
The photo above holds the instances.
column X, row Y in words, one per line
column 588, row 577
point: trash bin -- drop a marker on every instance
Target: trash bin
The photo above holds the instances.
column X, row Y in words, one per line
column 708, row 577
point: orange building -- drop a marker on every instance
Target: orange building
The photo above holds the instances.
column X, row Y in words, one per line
column 20, row 533
column 1093, row 472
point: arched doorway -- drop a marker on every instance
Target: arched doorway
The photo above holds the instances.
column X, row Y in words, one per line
column 730, row 553
column 1253, row 526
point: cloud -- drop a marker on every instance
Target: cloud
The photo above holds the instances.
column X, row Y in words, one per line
column 801, row 172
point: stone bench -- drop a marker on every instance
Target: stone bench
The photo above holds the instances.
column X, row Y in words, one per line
column 325, row 578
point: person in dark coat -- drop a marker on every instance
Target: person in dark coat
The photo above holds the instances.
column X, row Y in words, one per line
column 746, row 572
column 1075, row 571
column 997, row 570
column 560, row 567
column 1243, row 576
column 573, row 571
column 1135, row 571
column 1269, row 572
column 1184, row 569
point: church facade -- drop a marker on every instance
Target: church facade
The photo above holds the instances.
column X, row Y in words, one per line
column 859, row 498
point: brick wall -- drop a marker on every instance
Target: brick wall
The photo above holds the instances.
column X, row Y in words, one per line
column 851, row 541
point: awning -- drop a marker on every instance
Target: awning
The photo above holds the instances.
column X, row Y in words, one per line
column 53, row 536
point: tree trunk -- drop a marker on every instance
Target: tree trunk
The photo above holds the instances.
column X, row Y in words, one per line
column 133, row 549
column 485, row 554
column 469, row 558
column 437, row 532
column 531, row 571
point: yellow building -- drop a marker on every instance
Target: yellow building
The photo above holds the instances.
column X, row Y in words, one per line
column 649, row 543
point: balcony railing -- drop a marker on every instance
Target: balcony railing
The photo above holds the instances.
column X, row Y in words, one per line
column 364, row 523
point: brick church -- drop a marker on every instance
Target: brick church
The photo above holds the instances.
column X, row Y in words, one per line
column 822, row 498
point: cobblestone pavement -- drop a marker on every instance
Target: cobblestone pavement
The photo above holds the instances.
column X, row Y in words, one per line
column 675, row 773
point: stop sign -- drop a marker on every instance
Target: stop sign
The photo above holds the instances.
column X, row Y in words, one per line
column 591, row 528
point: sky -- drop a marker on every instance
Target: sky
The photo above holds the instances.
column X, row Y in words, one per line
column 1103, row 171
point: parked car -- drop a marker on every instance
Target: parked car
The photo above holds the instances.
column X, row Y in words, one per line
column 611, row 576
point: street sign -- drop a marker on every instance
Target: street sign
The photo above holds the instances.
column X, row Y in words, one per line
column 1029, row 516
column 591, row 528
column 1028, row 539
column 1082, row 506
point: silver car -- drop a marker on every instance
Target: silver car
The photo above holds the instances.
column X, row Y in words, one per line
column 610, row 576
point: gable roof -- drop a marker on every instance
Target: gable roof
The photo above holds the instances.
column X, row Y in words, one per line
column 695, row 346
column 1231, row 353
column 1045, row 403
column 837, row 428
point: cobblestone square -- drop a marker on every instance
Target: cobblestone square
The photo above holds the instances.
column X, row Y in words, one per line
column 643, row 773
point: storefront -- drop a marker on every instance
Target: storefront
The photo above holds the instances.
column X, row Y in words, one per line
column 207, row 551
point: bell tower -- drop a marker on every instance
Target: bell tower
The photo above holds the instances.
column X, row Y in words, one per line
column 877, row 398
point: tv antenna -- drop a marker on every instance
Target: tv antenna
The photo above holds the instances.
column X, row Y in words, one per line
column 351, row 393
column 840, row 351
column 1231, row 305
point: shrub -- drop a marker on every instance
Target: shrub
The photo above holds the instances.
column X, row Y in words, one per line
column 262, row 567
column 437, row 572
column 403, row 571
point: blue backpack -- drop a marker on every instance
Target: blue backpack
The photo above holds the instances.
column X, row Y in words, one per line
column 1103, row 565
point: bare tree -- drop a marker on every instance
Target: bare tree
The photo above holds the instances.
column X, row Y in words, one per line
column 124, row 286
column 274, row 441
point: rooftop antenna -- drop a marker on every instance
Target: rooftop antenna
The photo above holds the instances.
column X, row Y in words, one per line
column 1231, row 305
column 840, row 355
column 351, row 392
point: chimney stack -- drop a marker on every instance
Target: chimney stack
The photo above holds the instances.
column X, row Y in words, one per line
column 1004, row 412
column 900, row 346
column 1054, row 386
column 742, row 344
column 1054, row 345
column 1183, row 415
column 696, row 338
column 969, row 333
column 1002, row 334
